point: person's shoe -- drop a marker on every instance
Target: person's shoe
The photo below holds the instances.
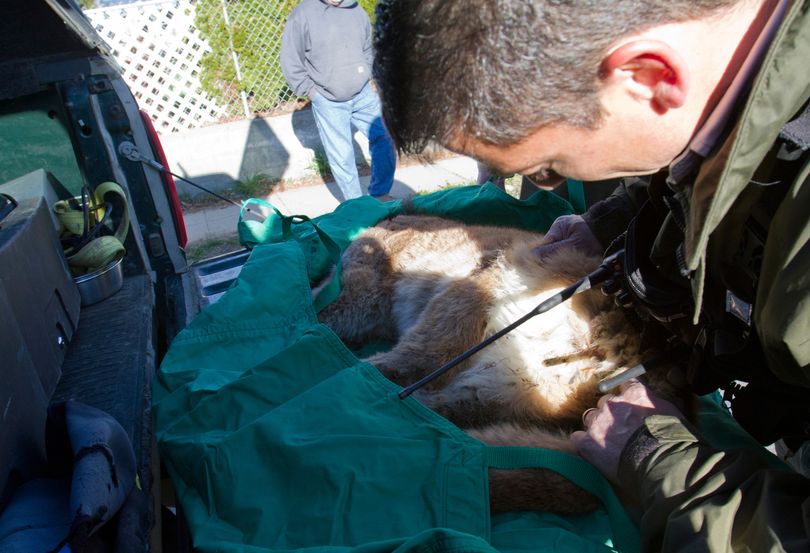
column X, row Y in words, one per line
column 385, row 198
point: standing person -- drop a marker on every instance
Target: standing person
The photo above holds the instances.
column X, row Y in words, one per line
column 485, row 175
column 711, row 98
column 326, row 54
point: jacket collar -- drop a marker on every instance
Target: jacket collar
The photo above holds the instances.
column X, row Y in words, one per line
column 774, row 98
column 777, row 93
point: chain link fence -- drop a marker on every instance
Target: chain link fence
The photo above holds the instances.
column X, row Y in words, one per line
column 241, row 70
column 197, row 62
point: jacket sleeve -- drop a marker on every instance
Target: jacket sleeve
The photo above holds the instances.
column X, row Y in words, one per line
column 610, row 217
column 293, row 56
column 696, row 498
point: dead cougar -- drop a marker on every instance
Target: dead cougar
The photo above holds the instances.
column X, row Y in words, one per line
column 436, row 287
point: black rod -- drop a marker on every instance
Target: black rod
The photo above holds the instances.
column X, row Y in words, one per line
column 221, row 197
column 159, row 167
column 605, row 270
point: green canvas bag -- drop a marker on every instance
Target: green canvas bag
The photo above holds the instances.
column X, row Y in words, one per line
column 277, row 437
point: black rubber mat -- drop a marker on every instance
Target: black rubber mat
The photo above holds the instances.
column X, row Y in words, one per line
column 109, row 365
column 111, row 359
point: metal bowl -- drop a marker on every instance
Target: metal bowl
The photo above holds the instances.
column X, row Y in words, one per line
column 100, row 284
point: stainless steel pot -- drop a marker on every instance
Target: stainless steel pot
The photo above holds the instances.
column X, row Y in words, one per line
column 102, row 283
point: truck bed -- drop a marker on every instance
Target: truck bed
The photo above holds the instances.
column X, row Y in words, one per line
column 109, row 365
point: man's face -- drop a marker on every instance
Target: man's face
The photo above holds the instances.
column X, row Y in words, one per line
column 616, row 148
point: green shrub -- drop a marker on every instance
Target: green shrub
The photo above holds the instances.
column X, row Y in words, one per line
column 369, row 6
column 255, row 32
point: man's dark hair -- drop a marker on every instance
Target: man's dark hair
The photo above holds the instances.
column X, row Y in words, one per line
column 497, row 70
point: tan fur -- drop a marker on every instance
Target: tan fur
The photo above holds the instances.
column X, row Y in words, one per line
column 437, row 287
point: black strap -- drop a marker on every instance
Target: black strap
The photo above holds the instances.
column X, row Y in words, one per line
column 797, row 131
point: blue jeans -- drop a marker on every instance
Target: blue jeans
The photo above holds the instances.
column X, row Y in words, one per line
column 335, row 120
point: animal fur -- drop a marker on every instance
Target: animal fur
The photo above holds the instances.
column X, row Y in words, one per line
column 436, row 287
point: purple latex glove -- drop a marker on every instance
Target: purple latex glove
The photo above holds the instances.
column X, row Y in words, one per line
column 609, row 425
column 569, row 231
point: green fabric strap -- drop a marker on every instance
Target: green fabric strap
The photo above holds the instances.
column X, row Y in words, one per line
column 278, row 227
column 331, row 290
column 580, row 473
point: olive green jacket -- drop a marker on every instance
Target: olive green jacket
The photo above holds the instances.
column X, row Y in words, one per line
column 693, row 496
column 718, row 201
column 723, row 188
column 696, row 498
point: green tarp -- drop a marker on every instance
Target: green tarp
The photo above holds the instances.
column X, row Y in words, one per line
column 277, row 437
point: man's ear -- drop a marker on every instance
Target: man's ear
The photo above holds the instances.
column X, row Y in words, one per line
column 652, row 70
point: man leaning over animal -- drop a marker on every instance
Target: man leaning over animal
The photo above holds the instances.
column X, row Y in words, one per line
column 710, row 98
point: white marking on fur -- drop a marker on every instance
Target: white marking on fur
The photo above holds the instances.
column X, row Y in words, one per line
column 514, row 364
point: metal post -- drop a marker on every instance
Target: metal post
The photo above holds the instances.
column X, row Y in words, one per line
column 235, row 58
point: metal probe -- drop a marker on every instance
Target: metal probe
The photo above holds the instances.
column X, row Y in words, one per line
column 609, row 383
column 669, row 358
column 609, row 266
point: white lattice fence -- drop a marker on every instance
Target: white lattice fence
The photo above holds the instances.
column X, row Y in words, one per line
column 185, row 76
column 159, row 49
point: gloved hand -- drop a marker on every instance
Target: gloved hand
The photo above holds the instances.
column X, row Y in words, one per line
column 569, row 231
column 610, row 424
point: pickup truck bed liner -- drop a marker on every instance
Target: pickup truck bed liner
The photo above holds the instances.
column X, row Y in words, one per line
column 109, row 366
column 111, row 359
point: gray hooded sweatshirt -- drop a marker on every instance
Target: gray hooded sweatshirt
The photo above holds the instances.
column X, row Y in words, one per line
column 326, row 49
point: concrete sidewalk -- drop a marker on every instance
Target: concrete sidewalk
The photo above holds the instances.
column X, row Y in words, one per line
column 220, row 222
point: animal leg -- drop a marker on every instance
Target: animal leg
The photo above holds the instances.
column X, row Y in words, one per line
column 362, row 310
column 532, row 489
column 452, row 322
